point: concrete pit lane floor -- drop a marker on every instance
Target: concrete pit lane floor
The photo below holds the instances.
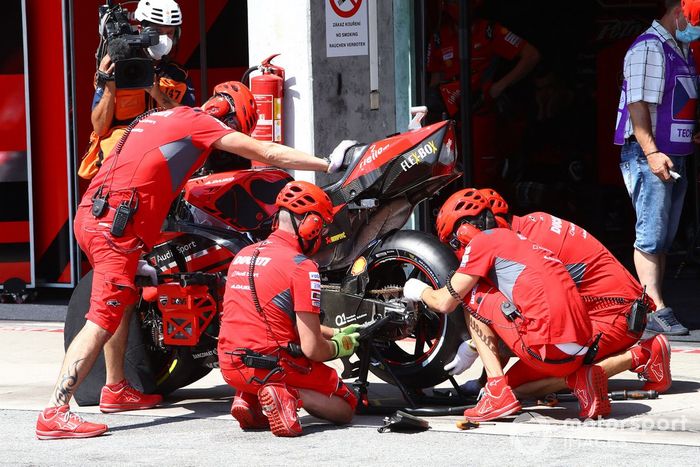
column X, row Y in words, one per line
column 194, row 426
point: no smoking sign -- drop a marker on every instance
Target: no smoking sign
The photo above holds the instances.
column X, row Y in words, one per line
column 346, row 8
column 346, row 28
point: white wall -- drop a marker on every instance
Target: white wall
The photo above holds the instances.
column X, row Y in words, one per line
column 327, row 99
column 282, row 26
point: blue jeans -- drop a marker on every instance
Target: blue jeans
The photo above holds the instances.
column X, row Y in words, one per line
column 658, row 204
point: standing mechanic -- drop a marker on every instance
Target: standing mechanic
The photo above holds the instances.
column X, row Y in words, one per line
column 113, row 109
column 544, row 321
column 122, row 211
column 656, row 121
column 614, row 299
column 499, row 59
column 271, row 342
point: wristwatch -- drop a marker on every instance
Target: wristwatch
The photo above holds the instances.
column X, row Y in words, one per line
column 328, row 161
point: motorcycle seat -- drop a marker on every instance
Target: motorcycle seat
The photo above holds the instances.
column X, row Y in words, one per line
column 352, row 158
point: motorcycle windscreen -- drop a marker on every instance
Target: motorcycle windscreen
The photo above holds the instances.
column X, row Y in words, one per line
column 16, row 240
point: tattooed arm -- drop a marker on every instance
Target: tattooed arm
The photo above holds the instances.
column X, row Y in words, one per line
column 443, row 300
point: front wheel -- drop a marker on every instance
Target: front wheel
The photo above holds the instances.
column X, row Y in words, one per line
column 418, row 360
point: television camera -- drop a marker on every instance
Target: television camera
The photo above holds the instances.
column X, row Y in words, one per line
column 126, row 46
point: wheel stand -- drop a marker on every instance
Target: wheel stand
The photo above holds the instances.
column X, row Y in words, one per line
column 417, row 402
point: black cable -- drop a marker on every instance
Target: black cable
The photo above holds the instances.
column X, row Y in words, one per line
column 254, row 294
column 118, row 150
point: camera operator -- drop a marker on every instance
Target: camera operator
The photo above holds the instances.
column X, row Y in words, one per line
column 113, row 107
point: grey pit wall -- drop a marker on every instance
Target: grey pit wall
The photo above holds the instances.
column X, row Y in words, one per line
column 341, row 87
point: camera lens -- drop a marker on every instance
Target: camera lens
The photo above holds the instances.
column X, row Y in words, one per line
column 133, row 73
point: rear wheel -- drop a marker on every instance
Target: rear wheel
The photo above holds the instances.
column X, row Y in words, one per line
column 418, row 360
column 146, row 368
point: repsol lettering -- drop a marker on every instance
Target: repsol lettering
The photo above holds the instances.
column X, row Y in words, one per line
column 417, row 156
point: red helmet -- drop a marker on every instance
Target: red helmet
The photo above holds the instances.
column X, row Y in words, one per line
column 233, row 104
column 691, row 11
column 498, row 205
column 464, row 203
column 307, row 199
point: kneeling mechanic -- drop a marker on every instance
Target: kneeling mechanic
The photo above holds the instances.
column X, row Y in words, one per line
column 543, row 321
column 271, row 342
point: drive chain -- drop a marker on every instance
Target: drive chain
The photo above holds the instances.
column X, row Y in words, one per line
column 390, row 291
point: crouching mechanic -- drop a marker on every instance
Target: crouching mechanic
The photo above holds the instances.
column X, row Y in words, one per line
column 614, row 300
column 120, row 217
column 543, row 321
column 608, row 291
column 271, row 340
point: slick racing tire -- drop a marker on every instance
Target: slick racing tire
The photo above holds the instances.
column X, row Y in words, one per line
column 149, row 373
column 417, row 361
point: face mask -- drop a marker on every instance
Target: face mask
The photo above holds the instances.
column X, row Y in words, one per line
column 162, row 48
column 689, row 34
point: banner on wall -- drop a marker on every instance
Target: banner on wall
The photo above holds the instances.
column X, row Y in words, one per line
column 346, row 28
column 16, row 268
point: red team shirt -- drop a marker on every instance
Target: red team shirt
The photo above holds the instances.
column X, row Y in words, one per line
column 596, row 272
column 161, row 153
column 488, row 40
column 534, row 280
column 292, row 284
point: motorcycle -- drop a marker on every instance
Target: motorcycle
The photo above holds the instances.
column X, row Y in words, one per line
column 364, row 260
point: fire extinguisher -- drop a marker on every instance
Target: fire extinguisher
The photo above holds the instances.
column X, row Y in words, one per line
column 268, row 90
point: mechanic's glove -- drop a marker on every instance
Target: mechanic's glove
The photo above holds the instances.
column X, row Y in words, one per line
column 346, row 330
column 465, row 358
column 145, row 269
column 335, row 159
column 345, row 344
column 413, row 289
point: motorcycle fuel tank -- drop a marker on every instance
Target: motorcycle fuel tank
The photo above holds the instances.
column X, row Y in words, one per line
column 244, row 199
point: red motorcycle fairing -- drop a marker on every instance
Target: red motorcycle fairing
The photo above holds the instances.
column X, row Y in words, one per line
column 414, row 156
column 382, row 184
column 189, row 252
column 244, row 200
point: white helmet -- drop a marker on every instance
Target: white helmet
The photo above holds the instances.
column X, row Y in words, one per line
column 163, row 12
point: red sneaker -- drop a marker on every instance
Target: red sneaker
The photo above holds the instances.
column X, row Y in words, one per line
column 280, row 405
column 498, row 401
column 590, row 386
column 61, row 423
column 126, row 398
column 246, row 409
column 657, row 370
